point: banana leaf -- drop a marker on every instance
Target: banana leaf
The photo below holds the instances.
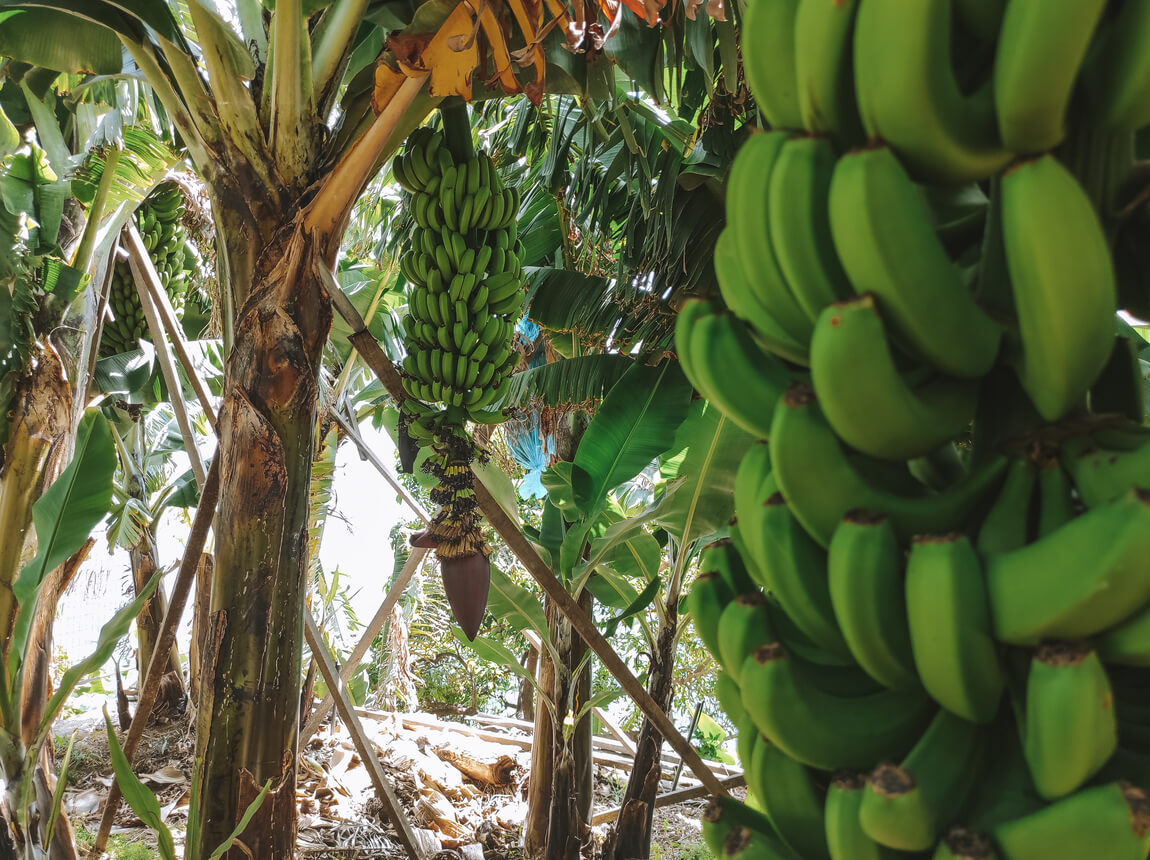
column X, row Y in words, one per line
column 64, row 516
column 138, row 795
column 635, row 424
column 701, row 464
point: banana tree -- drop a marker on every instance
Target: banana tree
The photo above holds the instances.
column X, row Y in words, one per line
column 48, row 246
column 282, row 180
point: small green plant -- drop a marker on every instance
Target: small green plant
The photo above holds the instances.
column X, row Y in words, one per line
column 119, row 847
column 710, row 736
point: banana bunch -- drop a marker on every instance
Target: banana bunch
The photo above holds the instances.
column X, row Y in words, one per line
column 465, row 297
column 159, row 221
column 931, row 615
column 466, row 294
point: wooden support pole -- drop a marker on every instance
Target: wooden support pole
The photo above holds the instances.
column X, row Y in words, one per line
column 620, row 735
column 364, row 643
column 671, row 798
column 517, row 542
column 363, row 746
column 194, row 548
column 167, row 317
column 142, row 270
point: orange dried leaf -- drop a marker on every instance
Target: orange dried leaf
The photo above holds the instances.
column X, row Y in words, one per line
column 500, row 55
column 387, row 84
column 450, row 55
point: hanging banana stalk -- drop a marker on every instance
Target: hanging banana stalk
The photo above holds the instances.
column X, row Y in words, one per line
column 465, row 296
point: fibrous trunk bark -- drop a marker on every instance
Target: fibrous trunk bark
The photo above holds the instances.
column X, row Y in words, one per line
column 568, row 829
column 41, row 436
column 248, row 717
column 200, row 613
column 148, row 622
column 542, row 760
column 631, row 835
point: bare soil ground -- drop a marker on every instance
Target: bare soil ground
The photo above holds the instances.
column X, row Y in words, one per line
column 339, row 815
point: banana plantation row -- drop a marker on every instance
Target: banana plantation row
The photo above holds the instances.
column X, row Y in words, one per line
column 819, row 323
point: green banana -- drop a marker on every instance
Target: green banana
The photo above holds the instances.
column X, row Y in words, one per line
column 824, row 729
column 908, row 94
column 1063, row 282
column 749, row 223
column 1111, row 821
column 823, row 70
column 1117, row 71
column 753, row 486
column 908, row 806
column 950, row 628
column 794, row 569
column 730, row 697
column 1102, row 553
column 865, row 398
column 821, row 483
column 708, row 597
column 744, row 625
column 1120, row 388
column 865, row 580
column 722, row 558
column 769, row 25
column 743, row 843
column 959, row 843
column 845, row 837
column 790, row 798
column 1040, row 49
column 882, row 231
column 1103, row 473
column 1055, row 497
column 1007, row 522
column 1070, row 730
column 1128, row 643
column 726, row 366
column 744, row 296
column 799, row 226
column 724, row 814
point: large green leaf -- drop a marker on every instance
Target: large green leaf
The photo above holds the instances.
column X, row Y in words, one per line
column 700, row 470
column 57, row 40
column 571, row 380
column 138, row 795
column 519, row 607
column 499, row 484
column 635, row 424
column 65, row 515
column 496, row 652
column 642, row 600
column 514, row 604
column 637, row 557
column 126, row 17
column 698, row 500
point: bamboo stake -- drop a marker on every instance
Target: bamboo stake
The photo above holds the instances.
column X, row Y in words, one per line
column 167, row 317
column 369, row 634
column 359, row 737
column 142, row 270
column 194, row 548
column 517, row 542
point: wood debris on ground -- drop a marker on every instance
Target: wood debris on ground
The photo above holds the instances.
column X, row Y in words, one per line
column 462, row 786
